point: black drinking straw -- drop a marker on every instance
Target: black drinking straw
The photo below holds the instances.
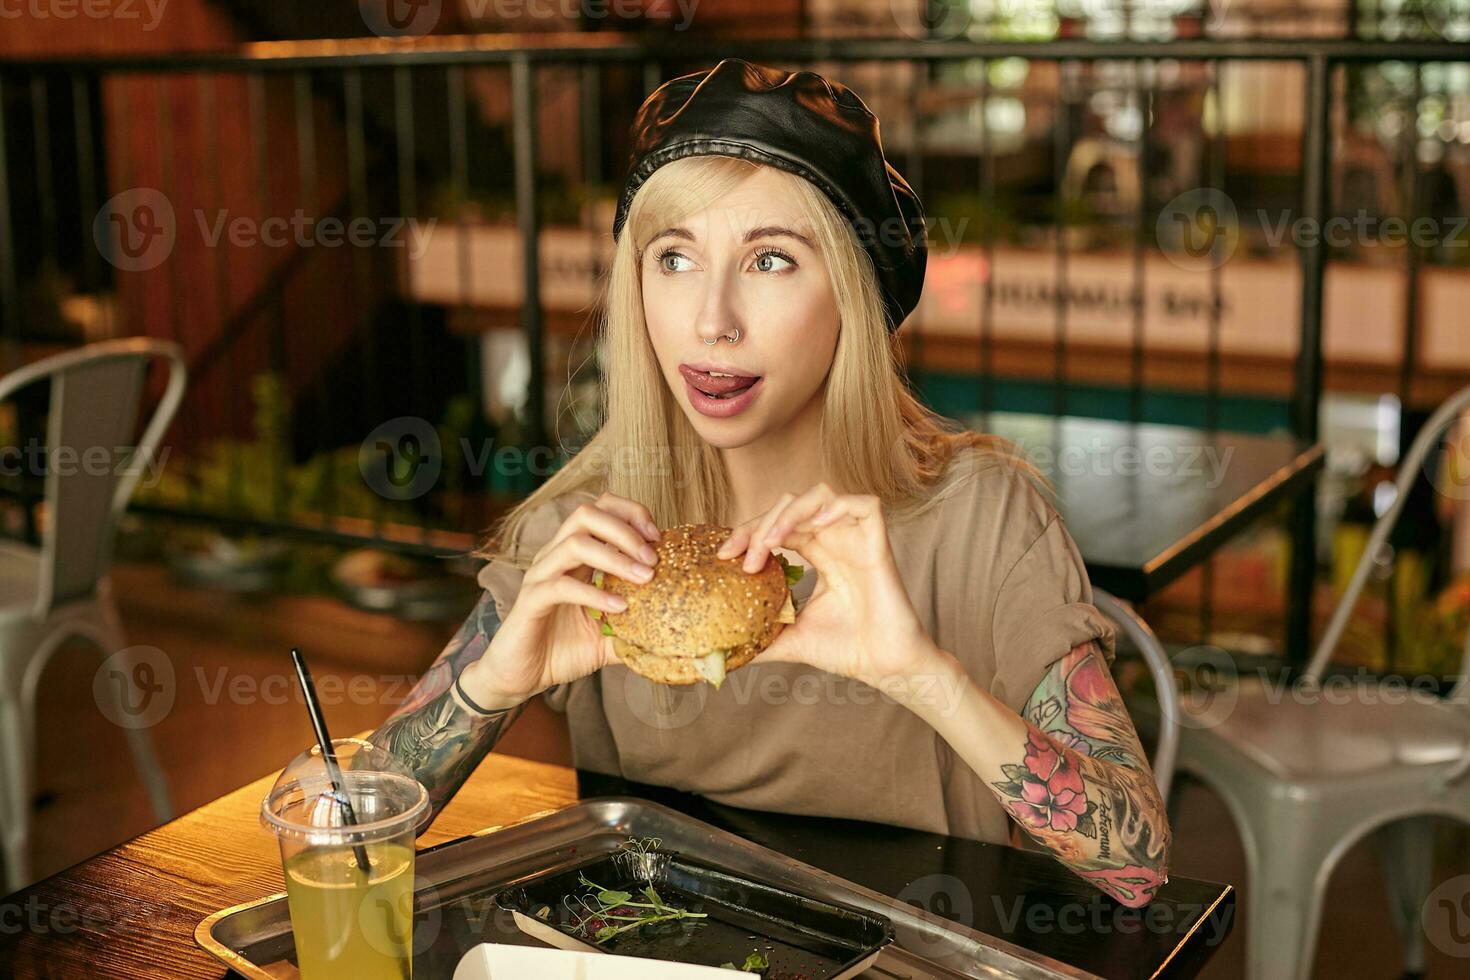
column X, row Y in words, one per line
column 319, row 723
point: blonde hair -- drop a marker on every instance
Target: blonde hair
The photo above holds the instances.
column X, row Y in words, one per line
column 876, row 437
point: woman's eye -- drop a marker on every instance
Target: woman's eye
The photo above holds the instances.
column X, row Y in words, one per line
column 764, row 259
column 664, row 259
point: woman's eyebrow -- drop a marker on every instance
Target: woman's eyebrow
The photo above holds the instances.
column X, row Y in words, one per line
column 765, row 231
column 683, row 233
column 776, row 231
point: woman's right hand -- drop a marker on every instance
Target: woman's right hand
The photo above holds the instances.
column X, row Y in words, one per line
column 548, row 638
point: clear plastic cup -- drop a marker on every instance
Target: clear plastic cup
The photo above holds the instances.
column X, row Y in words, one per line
column 349, row 922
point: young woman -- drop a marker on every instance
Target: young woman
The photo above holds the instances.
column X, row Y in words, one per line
column 947, row 670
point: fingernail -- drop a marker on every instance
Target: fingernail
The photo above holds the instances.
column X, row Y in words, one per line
column 618, row 603
column 649, row 531
column 642, row 572
column 649, row 556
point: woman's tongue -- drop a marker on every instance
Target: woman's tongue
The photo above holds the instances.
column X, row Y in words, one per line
column 717, row 386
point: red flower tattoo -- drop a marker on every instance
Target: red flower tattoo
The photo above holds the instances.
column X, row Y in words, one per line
column 1052, row 795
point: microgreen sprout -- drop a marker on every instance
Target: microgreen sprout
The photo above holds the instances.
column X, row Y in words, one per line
column 754, row 963
column 604, row 913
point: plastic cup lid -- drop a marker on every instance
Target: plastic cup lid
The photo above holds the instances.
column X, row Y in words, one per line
column 384, row 797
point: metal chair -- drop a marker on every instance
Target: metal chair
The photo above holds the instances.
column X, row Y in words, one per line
column 1307, row 773
column 1157, row 659
column 62, row 589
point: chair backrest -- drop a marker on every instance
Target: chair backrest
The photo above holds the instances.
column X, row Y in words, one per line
column 93, row 465
column 1157, row 659
column 1409, row 467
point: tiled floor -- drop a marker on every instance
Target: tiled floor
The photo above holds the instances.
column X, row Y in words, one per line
column 236, row 716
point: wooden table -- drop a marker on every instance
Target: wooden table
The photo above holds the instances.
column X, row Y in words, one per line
column 1145, row 502
column 130, row 912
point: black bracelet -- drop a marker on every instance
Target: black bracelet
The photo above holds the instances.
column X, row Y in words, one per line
column 470, row 701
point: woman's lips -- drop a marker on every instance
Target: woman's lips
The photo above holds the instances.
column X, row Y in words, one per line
column 719, row 397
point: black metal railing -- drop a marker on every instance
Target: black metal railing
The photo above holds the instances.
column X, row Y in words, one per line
column 357, row 129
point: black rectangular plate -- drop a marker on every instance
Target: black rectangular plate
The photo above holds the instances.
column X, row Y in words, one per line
column 801, row 936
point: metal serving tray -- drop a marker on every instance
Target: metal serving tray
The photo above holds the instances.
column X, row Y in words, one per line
column 456, row 883
column 797, row 933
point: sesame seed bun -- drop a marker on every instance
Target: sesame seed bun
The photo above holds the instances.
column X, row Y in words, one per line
column 696, row 604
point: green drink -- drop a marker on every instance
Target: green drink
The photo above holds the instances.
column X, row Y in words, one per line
column 351, row 924
column 348, row 860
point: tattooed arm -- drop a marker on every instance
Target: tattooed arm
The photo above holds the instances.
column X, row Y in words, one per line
column 438, row 734
column 1069, row 769
column 1084, row 788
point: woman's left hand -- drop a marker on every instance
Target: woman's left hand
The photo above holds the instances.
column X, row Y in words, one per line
column 859, row 621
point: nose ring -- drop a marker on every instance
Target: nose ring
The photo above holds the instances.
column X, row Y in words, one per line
column 732, row 340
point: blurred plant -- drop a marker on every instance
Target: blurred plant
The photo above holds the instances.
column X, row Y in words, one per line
column 44, row 298
column 254, row 479
column 558, row 201
column 1428, row 629
column 975, row 220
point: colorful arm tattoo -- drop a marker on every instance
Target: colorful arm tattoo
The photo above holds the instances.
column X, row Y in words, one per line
column 1083, row 788
column 433, row 732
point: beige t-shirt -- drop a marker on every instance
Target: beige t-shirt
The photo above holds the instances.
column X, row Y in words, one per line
column 996, row 580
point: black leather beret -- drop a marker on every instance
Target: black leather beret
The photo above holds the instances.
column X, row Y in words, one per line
column 804, row 124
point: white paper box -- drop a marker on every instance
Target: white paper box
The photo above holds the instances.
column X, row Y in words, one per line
column 497, row 961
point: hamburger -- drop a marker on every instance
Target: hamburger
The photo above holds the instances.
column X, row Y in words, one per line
column 699, row 617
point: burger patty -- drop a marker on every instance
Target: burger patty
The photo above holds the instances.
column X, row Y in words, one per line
column 683, row 670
